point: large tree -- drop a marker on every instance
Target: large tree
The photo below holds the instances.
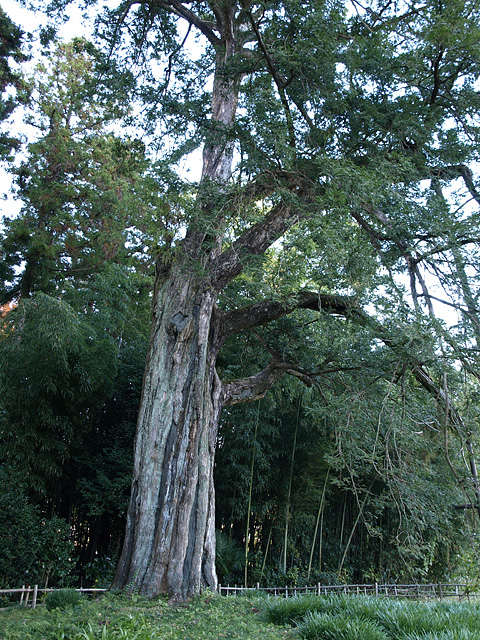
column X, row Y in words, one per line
column 325, row 125
column 12, row 86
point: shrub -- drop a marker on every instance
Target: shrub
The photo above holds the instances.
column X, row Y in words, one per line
column 62, row 599
column 33, row 549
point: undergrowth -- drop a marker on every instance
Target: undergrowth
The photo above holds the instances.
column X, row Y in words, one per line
column 368, row 618
column 116, row 617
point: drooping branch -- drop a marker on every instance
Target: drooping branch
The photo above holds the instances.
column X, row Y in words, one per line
column 261, row 313
column 451, row 172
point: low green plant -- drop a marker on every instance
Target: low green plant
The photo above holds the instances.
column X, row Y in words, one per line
column 319, row 626
column 292, row 610
column 326, row 617
column 62, row 598
column 447, row 634
column 119, row 617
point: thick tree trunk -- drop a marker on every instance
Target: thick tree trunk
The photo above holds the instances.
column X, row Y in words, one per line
column 170, row 535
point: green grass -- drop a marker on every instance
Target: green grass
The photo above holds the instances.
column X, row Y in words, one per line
column 118, row 617
column 333, row 627
column 62, row 599
column 368, row 618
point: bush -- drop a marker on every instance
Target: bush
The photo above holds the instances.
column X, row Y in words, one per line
column 62, row 599
column 34, row 549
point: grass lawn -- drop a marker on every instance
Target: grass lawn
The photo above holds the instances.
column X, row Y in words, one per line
column 246, row 618
column 133, row 618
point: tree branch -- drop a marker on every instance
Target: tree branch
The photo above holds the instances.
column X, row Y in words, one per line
column 261, row 313
column 254, row 241
column 260, row 236
column 451, row 172
column 179, row 9
column 253, row 387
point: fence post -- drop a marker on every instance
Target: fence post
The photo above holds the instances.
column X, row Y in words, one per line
column 22, row 594
column 319, row 588
column 376, row 589
column 35, row 592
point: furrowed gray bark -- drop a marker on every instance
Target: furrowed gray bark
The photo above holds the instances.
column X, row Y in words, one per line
column 170, row 536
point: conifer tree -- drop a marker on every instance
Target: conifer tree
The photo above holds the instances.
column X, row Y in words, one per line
column 323, row 124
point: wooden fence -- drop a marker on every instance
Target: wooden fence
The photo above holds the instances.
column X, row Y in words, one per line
column 25, row 592
column 423, row 591
column 29, row 596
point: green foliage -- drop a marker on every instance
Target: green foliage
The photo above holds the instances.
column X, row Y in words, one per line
column 315, row 626
column 229, row 557
column 368, row 617
column 293, row 610
column 62, row 599
column 115, row 617
column 90, row 197
column 11, row 40
column 55, row 367
column 35, row 549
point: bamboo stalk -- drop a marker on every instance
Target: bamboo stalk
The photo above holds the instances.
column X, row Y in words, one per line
column 247, row 532
column 289, row 492
column 320, row 513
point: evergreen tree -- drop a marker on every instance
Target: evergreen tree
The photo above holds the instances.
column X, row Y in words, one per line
column 11, row 40
column 322, row 127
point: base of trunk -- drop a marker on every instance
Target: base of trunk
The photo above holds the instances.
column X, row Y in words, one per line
column 170, row 536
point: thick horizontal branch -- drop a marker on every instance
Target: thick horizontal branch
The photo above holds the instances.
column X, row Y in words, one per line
column 253, row 387
column 266, row 311
column 256, row 386
column 260, row 187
